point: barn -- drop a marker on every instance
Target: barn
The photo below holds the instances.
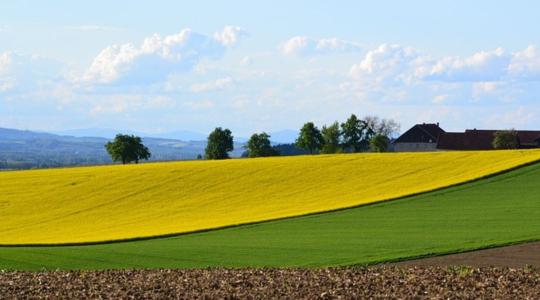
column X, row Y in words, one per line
column 421, row 137
column 431, row 137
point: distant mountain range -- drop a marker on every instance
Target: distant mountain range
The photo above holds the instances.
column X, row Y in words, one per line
column 109, row 133
column 23, row 149
column 277, row 137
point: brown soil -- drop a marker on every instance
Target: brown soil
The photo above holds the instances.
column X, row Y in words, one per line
column 348, row 283
column 510, row 256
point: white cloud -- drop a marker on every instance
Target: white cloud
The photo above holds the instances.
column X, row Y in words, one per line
column 218, row 84
column 397, row 64
column 199, row 104
column 302, row 45
column 440, row 98
column 526, row 63
column 6, row 82
column 113, row 108
column 389, row 64
column 485, row 87
column 22, row 73
column 518, row 117
column 481, row 66
column 246, row 61
column 157, row 56
column 230, row 35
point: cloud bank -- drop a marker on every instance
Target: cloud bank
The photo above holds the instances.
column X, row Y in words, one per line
column 157, row 57
column 303, row 45
column 395, row 63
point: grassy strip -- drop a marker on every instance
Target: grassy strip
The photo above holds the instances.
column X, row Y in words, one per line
column 495, row 211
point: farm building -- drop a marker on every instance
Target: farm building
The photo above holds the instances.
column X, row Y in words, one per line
column 421, row 137
column 473, row 139
column 430, row 137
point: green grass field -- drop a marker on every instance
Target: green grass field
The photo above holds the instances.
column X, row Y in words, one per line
column 495, row 211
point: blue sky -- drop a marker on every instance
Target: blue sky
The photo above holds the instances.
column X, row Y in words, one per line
column 160, row 66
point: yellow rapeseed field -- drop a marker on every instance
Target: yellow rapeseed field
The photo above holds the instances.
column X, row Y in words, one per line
column 90, row 204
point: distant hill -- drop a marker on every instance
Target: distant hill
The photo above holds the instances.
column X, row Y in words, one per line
column 23, row 149
column 96, row 132
column 183, row 135
column 286, row 136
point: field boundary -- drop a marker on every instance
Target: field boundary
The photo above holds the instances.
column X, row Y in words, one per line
column 443, row 253
column 378, row 202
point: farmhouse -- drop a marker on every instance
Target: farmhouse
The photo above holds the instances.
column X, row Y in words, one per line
column 430, row 137
column 421, row 137
column 473, row 139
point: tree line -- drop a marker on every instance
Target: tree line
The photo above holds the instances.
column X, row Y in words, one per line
column 353, row 135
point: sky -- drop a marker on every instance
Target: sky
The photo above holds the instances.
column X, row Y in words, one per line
column 251, row 66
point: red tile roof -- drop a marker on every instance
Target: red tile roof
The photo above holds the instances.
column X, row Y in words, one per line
column 473, row 139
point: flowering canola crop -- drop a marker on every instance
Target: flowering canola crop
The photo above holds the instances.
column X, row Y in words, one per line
column 106, row 203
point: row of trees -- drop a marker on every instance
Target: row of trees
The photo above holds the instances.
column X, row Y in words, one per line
column 354, row 135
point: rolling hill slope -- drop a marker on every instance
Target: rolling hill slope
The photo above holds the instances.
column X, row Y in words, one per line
column 495, row 211
column 94, row 204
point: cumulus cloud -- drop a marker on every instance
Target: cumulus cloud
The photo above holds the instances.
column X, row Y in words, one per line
column 485, row 87
column 398, row 64
column 6, row 82
column 20, row 72
column 230, row 35
column 157, row 56
column 218, row 84
column 246, row 61
column 389, row 63
column 302, row 45
column 526, row 63
column 440, row 98
column 199, row 104
column 481, row 66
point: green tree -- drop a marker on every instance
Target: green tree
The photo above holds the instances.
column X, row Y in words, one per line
column 331, row 138
column 353, row 134
column 259, row 146
column 127, row 148
column 220, row 143
column 310, row 138
column 379, row 143
column 506, row 139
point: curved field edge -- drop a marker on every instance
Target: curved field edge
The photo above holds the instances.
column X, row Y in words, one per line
column 383, row 177
column 443, row 253
column 497, row 211
column 177, row 234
